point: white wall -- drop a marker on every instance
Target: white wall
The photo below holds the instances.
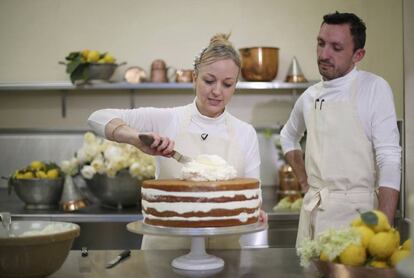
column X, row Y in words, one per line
column 35, row 35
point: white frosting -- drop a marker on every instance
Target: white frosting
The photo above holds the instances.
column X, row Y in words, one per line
column 150, row 194
column 208, row 168
column 184, row 207
column 242, row 217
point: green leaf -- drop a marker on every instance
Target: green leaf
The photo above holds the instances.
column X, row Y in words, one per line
column 369, row 218
column 77, row 74
column 71, row 67
column 73, row 55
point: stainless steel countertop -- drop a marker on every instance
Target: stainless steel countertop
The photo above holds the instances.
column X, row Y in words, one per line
column 96, row 213
column 272, row 262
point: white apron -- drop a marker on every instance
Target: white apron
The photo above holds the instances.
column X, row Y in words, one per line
column 193, row 144
column 340, row 165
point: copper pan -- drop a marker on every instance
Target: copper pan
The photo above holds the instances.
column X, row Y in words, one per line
column 259, row 63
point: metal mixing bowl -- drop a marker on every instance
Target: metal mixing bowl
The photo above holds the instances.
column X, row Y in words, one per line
column 120, row 191
column 39, row 254
column 38, row 193
column 97, row 71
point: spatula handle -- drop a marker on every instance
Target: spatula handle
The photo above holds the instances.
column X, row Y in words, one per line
column 146, row 139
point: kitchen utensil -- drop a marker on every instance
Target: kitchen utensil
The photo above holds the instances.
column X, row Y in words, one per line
column 184, row 76
column 124, row 254
column 120, row 191
column 295, row 74
column 148, row 140
column 38, row 193
column 160, row 73
column 71, row 199
column 259, row 63
column 135, row 75
column 36, row 248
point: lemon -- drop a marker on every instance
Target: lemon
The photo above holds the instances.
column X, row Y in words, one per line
column 383, row 225
column 41, row 174
column 36, row 165
column 324, row 257
column 407, row 245
column 28, row 175
column 109, row 59
column 101, row 61
column 353, row 255
column 85, row 53
column 382, row 245
column 93, row 56
column 52, row 174
column 398, row 256
column 366, row 234
column 19, row 176
column 357, row 222
column 379, row 264
column 396, row 236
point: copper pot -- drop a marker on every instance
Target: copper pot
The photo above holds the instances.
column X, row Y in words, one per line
column 259, row 63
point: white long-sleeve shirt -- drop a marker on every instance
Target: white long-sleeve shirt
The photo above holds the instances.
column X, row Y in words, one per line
column 375, row 107
column 166, row 122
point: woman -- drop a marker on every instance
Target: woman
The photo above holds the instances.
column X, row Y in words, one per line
column 202, row 127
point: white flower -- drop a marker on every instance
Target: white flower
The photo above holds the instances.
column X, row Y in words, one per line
column 88, row 172
column 70, row 167
column 89, row 138
column 98, row 165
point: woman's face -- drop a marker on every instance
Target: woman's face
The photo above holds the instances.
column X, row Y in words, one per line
column 215, row 85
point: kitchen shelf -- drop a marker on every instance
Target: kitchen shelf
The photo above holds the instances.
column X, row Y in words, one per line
column 65, row 85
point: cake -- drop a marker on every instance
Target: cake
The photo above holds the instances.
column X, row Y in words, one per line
column 183, row 203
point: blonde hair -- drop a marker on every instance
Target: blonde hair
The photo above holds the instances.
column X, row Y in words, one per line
column 219, row 48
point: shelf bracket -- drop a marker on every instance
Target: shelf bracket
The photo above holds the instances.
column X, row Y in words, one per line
column 64, row 94
column 131, row 99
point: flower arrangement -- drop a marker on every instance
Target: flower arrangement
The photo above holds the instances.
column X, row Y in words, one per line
column 98, row 155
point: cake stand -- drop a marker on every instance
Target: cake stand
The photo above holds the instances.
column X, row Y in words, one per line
column 197, row 258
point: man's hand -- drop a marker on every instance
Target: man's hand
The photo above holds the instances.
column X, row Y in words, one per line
column 387, row 202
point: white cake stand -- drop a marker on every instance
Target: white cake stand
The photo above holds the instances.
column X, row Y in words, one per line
column 197, row 258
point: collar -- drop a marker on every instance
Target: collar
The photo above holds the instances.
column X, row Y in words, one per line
column 196, row 115
column 340, row 81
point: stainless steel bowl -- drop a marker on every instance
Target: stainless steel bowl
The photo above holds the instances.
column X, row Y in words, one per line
column 120, row 191
column 38, row 193
column 97, row 71
column 36, row 248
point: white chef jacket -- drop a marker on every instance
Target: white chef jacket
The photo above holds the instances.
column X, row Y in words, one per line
column 166, row 122
column 375, row 109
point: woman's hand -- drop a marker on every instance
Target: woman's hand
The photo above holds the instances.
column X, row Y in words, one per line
column 163, row 146
column 262, row 216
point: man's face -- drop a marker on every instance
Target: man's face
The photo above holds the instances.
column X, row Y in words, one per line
column 335, row 51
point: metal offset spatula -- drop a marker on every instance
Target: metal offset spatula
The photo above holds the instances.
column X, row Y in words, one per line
column 124, row 254
column 148, row 140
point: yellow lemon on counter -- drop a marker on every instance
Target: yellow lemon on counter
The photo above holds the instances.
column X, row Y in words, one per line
column 85, row 53
column 41, row 174
column 36, row 165
column 353, row 255
column 52, row 174
column 383, row 225
column 366, row 234
column 406, row 245
column 93, row 56
column 109, row 59
column 357, row 222
column 382, row 245
column 398, row 256
column 379, row 264
column 397, row 237
column 27, row 175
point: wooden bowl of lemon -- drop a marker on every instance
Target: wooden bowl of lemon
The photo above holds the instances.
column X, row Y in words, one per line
column 39, row 185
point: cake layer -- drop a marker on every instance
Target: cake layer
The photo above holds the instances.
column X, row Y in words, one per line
column 210, row 213
column 200, row 223
column 177, row 185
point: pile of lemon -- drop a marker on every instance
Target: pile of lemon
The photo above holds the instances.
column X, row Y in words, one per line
column 39, row 170
column 380, row 243
column 94, row 56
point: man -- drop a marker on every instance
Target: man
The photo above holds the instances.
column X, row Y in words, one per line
column 352, row 159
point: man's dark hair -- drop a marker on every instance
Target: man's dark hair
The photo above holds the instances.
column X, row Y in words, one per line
column 356, row 24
